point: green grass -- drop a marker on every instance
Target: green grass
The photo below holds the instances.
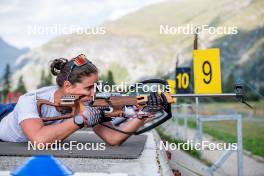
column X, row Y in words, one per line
column 191, row 123
column 253, row 133
column 194, row 153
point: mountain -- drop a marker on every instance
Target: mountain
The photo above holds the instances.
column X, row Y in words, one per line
column 134, row 48
column 8, row 55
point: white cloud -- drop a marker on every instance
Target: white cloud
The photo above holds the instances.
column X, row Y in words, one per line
column 8, row 6
column 17, row 15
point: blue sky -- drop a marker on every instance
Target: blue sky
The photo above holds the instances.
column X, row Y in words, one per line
column 17, row 15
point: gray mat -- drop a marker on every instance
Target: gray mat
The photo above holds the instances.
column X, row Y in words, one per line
column 131, row 149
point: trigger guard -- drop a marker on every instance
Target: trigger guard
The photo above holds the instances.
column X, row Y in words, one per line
column 109, row 111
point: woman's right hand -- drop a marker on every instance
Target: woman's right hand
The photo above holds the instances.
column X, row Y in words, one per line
column 92, row 116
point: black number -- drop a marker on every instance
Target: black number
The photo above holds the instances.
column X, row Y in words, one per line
column 207, row 72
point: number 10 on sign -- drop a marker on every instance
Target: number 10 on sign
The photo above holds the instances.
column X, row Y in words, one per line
column 207, row 74
column 183, row 80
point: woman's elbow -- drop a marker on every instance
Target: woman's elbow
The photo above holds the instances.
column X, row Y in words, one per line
column 38, row 140
column 114, row 141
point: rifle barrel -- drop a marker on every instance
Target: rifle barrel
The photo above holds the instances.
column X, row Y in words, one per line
column 206, row 95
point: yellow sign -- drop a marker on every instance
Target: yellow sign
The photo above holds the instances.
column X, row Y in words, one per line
column 207, row 74
column 172, row 85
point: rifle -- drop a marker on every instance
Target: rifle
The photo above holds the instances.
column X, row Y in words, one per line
column 115, row 103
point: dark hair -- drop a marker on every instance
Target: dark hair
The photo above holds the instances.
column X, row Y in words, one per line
column 61, row 68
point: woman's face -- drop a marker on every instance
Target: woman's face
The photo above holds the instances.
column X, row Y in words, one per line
column 85, row 88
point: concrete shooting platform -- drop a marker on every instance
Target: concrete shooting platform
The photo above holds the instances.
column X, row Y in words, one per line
column 152, row 161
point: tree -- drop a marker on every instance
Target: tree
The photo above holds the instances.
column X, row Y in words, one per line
column 110, row 78
column 261, row 90
column 21, row 86
column 45, row 80
column 229, row 84
column 48, row 80
column 7, row 76
column 103, row 77
column 42, row 78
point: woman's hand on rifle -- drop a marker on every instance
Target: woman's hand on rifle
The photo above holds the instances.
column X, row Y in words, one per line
column 89, row 117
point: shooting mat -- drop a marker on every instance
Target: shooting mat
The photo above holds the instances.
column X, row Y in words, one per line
column 131, row 149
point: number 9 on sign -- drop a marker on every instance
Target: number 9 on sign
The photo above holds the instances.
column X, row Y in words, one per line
column 207, row 74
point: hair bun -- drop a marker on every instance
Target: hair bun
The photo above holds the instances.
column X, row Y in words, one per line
column 57, row 65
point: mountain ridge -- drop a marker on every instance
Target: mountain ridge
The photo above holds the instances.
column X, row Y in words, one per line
column 133, row 48
column 9, row 54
